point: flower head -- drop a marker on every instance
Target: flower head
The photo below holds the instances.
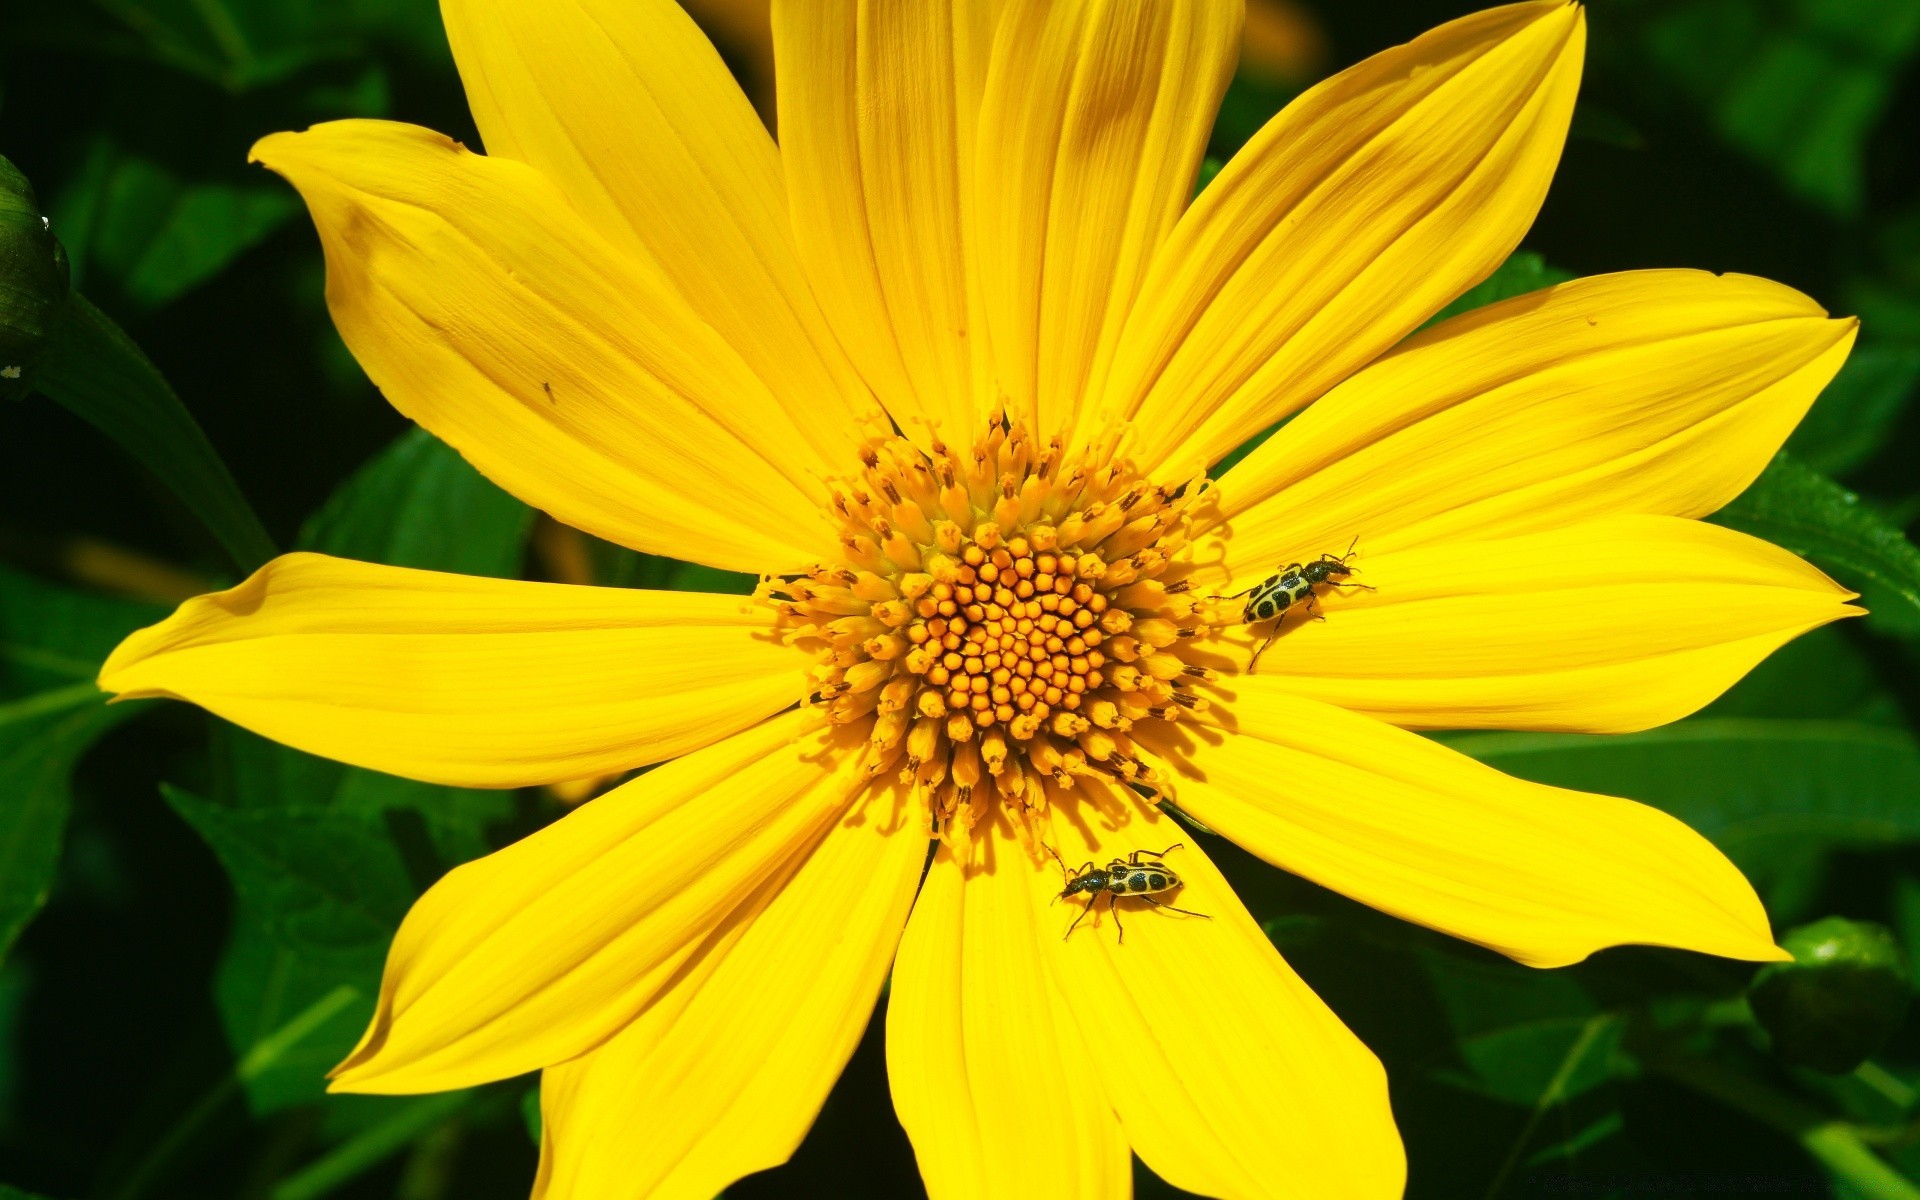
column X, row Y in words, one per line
column 947, row 369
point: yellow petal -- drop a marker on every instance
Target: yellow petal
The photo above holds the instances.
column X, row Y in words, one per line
column 1648, row 392
column 1606, row 626
column 1394, row 820
column 1357, row 213
column 723, row 1074
column 624, row 105
column 462, row 680
column 1091, row 131
column 1230, row 1076
column 569, row 372
column 993, row 1084
column 539, row 952
column 878, row 106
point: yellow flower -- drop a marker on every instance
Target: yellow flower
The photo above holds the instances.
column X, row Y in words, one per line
column 948, row 366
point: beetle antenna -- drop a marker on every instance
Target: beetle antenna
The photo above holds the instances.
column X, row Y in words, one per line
column 1064, row 873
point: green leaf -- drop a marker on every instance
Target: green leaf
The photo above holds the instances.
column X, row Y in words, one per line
column 1767, row 792
column 155, row 235
column 1797, row 85
column 52, row 641
column 319, row 893
column 1519, row 1035
column 1852, row 419
column 1248, row 105
column 97, row 372
column 14, row 1193
column 617, row 566
column 419, row 504
column 1827, row 674
column 1523, row 272
column 41, row 740
column 1796, row 507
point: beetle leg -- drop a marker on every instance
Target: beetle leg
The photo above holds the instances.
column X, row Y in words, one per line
column 1117, row 926
column 1255, row 660
column 1076, row 921
column 1157, row 853
column 1171, row 908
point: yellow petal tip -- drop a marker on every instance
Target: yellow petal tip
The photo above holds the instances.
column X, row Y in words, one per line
column 260, row 151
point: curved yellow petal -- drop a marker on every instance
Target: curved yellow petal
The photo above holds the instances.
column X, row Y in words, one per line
column 1230, row 1076
column 539, row 952
column 878, row 107
column 1649, row 391
column 993, row 1084
column 1091, row 130
column 625, row 106
column 460, row 680
column 723, row 1074
column 1357, row 213
column 1394, row 820
column 570, row 373
column 1607, row 626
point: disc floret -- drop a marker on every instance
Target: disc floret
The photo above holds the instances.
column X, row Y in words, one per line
column 1004, row 617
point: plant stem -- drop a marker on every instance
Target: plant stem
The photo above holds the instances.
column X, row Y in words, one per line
column 1890, row 1086
column 1569, row 1063
column 370, row 1148
column 1836, row 1144
column 265, row 1053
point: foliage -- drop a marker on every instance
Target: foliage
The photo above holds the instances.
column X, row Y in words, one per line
column 193, row 920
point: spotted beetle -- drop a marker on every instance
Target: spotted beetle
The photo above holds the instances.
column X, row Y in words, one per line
column 1139, row 874
column 1277, row 594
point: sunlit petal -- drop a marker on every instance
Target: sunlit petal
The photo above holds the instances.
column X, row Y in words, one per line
column 462, row 680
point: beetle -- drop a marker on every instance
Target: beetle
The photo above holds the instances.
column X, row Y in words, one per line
column 1139, row 874
column 1277, row 594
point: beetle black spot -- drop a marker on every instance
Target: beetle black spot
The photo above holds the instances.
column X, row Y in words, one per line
column 1157, row 882
column 1137, row 881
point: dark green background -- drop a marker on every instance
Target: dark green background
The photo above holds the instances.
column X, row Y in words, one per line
column 217, row 908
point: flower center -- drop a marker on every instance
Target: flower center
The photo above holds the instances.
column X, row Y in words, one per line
column 1004, row 619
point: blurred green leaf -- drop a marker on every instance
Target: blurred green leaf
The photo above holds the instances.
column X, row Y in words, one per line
column 97, row 372
column 1765, row 791
column 1796, row 84
column 1248, row 105
column 1521, row 1038
column 1828, row 673
column 1796, row 507
column 319, row 894
column 41, row 740
column 157, row 236
column 14, row 1193
column 617, row 566
column 52, row 641
column 1853, row 417
column 416, row 504
column 1523, row 272
column 419, row 504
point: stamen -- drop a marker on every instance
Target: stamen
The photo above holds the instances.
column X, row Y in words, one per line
column 999, row 621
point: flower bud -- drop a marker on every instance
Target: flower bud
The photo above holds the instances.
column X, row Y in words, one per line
column 1843, row 995
column 33, row 283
